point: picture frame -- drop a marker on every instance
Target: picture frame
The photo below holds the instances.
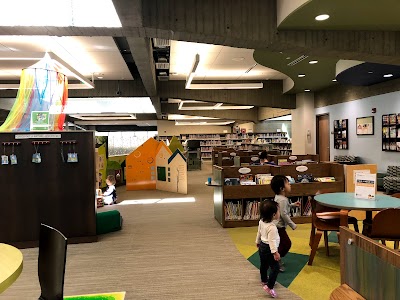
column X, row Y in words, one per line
column 365, row 126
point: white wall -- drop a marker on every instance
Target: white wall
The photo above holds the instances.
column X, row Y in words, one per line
column 169, row 128
column 368, row 147
column 303, row 119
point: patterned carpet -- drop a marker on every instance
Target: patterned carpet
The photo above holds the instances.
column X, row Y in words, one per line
column 308, row 282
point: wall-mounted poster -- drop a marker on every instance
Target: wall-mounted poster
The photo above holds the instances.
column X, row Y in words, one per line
column 340, row 137
column 365, row 126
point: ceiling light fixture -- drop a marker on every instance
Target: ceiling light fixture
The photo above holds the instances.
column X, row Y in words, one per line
column 387, row 75
column 334, row 80
column 238, row 59
column 301, row 75
column 307, row 90
column 226, row 86
column 312, row 62
column 203, row 123
column 370, row 72
column 193, row 71
column 322, row 17
column 65, row 68
column 217, row 86
column 211, row 106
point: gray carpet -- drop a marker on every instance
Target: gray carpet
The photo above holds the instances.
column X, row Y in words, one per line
column 165, row 251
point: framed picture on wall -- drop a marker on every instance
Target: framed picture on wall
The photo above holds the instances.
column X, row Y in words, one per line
column 340, row 137
column 365, row 126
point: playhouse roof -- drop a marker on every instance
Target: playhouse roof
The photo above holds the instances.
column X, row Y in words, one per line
column 177, row 152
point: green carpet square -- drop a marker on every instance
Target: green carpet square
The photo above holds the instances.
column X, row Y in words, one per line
column 294, row 263
column 332, row 237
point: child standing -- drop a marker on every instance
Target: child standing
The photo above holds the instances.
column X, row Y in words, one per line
column 281, row 187
column 267, row 241
column 110, row 195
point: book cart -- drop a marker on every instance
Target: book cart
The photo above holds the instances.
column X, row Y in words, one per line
column 237, row 205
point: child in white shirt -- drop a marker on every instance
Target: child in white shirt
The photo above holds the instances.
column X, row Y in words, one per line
column 267, row 241
column 110, row 195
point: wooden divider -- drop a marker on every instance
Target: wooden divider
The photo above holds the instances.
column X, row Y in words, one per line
column 368, row 267
column 56, row 192
column 277, row 158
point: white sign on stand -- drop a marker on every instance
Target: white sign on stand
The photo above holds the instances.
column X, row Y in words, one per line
column 365, row 186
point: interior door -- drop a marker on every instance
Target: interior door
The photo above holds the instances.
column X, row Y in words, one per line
column 323, row 136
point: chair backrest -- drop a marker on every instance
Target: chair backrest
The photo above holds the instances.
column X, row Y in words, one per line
column 386, row 224
column 51, row 263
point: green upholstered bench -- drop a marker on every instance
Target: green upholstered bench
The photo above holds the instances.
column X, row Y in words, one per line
column 108, row 221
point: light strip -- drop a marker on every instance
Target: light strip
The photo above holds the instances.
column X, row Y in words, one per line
column 217, row 86
column 193, row 71
column 218, row 106
column 203, row 123
column 225, row 86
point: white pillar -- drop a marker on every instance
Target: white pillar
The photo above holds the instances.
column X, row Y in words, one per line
column 303, row 125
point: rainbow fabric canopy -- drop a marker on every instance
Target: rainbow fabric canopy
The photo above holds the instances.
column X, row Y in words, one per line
column 41, row 98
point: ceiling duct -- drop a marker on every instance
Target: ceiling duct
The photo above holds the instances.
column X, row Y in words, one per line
column 297, row 60
column 162, row 65
column 161, row 43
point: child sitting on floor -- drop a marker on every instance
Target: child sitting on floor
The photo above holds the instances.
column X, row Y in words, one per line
column 110, row 195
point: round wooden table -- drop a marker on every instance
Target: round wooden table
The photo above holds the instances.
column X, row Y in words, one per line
column 347, row 201
column 10, row 265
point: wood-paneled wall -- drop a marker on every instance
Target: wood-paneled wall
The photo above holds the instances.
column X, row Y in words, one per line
column 57, row 193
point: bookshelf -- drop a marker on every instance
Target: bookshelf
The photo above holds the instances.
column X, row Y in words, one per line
column 391, row 132
column 241, row 141
column 340, row 134
column 237, row 205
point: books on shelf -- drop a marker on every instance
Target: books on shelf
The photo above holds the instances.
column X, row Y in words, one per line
column 252, row 211
column 263, row 178
column 233, row 210
column 246, row 179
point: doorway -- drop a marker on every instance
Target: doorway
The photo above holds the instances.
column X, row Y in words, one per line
column 323, row 137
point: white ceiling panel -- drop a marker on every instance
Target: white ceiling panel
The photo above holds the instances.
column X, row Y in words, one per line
column 216, row 62
column 88, row 55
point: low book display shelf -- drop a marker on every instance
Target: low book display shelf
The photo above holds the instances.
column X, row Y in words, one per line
column 236, row 205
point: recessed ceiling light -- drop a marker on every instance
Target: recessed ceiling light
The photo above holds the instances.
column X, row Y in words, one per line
column 311, row 62
column 387, row 75
column 307, row 90
column 301, row 75
column 238, row 58
column 334, row 80
column 370, row 72
column 100, row 77
column 322, row 17
column 288, row 57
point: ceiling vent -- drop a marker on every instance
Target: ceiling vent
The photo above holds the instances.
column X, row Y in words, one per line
column 162, row 65
column 161, row 43
column 163, row 77
column 297, row 60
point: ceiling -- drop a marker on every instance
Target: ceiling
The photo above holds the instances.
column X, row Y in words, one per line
column 345, row 15
column 88, row 55
column 217, row 63
column 120, row 54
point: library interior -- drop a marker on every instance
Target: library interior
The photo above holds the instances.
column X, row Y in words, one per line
column 253, row 143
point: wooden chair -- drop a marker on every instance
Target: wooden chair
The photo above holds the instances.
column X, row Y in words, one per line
column 321, row 226
column 386, row 226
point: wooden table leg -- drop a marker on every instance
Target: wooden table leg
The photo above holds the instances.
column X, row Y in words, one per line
column 367, row 223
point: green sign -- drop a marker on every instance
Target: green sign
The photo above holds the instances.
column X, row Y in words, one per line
column 40, row 120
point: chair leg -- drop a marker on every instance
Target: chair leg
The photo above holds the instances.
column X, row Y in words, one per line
column 316, row 240
column 312, row 235
column 396, row 244
column 356, row 227
column 338, row 236
column 326, row 242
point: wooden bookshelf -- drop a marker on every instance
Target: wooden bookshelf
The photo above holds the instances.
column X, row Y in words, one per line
column 224, row 194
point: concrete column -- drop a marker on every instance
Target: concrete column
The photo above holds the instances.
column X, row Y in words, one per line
column 303, row 125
